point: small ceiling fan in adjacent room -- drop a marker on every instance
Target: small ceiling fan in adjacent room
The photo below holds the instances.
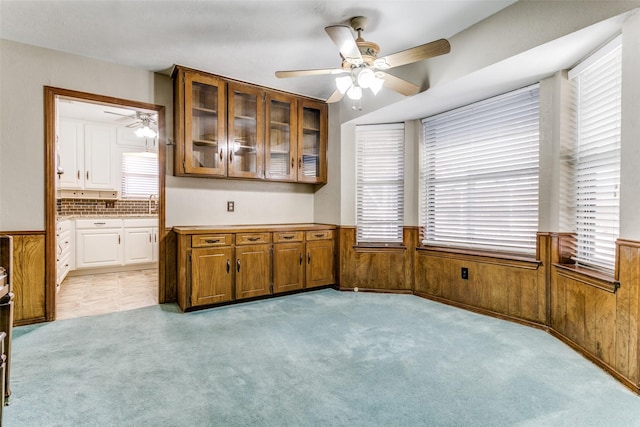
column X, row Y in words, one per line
column 363, row 67
column 142, row 121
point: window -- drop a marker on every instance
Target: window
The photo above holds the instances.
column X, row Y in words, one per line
column 479, row 174
column 595, row 160
column 139, row 175
column 380, row 183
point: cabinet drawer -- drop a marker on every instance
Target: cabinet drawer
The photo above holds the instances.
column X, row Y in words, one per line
column 98, row 223
column 319, row 235
column 288, row 236
column 212, row 240
column 252, row 238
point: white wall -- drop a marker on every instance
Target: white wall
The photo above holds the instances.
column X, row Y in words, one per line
column 24, row 72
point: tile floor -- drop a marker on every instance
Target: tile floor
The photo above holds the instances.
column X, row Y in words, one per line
column 93, row 294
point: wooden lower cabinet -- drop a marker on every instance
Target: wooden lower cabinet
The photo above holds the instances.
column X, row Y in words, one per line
column 211, row 276
column 253, row 271
column 288, row 267
column 320, row 263
column 223, row 264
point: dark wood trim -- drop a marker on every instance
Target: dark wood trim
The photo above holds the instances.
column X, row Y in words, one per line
column 378, row 291
column 23, row 233
column 604, row 366
column 380, row 249
column 50, row 94
column 481, row 257
column 588, row 277
column 31, row 321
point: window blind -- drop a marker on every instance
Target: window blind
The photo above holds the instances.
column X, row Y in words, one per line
column 139, row 175
column 479, row 174
column 596, row 157
column 380, row 183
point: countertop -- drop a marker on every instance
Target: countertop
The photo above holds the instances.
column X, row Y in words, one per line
column 203, row 229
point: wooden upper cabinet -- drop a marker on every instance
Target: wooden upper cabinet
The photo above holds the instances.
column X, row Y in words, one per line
column 226, row 128
column 200, row 126
column 281, row 146
column 312, row 141
column 245, row 131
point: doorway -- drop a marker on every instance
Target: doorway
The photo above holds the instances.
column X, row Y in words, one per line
column 125, row 110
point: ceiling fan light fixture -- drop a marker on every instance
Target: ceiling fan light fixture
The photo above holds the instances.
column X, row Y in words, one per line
column 354, row 92
column 343, row 83
column 145, row 132
column 366, row 78
column 376, row 85
column 381, row 64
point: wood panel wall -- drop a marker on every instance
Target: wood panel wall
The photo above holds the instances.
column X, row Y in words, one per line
column 599, row 321
column 28, row 283
column 375, row 269
column 512, row 288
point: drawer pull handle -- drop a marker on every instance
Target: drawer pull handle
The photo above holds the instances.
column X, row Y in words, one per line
column 319, row 235
column 288, row 237
column 212, row 240
column 99, row 223
column 253, row 239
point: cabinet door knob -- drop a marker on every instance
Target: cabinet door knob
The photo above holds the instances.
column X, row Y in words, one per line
column 308, row 257
column 300, row 258
column 293, row 162
column 228, row 265
column 149, row 237
column 221, row 154
column 238, row 264
column 87, row 175
column 78, row 174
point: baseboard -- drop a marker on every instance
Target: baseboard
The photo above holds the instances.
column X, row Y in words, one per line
column 375, row 290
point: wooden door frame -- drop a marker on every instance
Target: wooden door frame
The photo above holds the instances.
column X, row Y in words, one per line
column 50, row 114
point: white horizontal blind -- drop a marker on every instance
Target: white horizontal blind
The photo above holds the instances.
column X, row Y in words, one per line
column 139, row 175
column 596, row 160
column 380, row 183
column 479, row 174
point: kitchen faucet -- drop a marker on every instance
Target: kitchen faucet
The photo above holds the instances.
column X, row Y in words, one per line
column 151, row 198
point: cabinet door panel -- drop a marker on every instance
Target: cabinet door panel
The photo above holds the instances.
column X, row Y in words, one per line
column 288, row 267
column 98, row 163
column 253, row 271
column 211, row 276
column 281, row 138
column 138, row 245
column 98, row 248
column 312, row 142
column 205, row 145
column 320, row 263
column 246, row 131
column 70, row 154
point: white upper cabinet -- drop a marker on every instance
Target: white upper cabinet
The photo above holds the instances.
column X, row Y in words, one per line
column 86, row 156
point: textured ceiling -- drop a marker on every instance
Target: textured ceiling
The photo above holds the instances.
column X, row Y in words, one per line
column 246, row 40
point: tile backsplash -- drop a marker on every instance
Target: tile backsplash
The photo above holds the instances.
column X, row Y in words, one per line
column 100, row 207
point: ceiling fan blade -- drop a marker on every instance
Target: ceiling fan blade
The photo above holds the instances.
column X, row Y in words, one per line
column 415, row 54
column 133, row 125
column 401, row 86
column 343, row 39
column 300, row 73
column 131, row 116
column 335, row 97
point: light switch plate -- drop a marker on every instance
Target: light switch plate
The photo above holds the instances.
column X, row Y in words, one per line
column 230, row 206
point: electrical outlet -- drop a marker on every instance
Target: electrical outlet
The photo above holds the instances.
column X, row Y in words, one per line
column 231, row 206
column 110, row 204
column 464, row 273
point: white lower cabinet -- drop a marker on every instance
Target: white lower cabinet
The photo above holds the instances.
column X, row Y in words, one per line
column 99, row 243
column 113, row 242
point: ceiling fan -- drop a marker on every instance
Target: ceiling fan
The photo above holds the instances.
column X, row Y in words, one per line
column 364, row 67
column 142, row 121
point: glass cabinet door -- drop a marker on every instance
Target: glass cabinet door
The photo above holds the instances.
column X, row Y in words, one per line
column 246, row 131
column 280, row 142
column 312, row 142
column 205, row 141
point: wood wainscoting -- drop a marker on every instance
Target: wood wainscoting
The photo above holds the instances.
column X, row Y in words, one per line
column 28, row 276
column 381, row 269
column 602, row 322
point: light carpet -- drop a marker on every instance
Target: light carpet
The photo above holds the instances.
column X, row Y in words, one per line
column 322, row 358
